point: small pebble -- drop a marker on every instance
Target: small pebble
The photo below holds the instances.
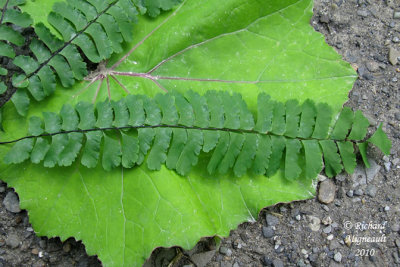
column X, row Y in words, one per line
column 2, row 189
column 327, row 220
column 362, row 13
column 301, row 263
column 395, row 228
column 358, row 192
column 321, row 177
column 371, row 190
column 324, row 18
column 42, row 244
column 372, row 66
column 338, row 257
column 396, row 160
column 271, row 220
column 388, row 166
column 314, row 223
column 313, row 257
column 12, row 241
column 372, row 171
column 386, row 159
column 347, row 241
column 327, row 229
column 277, row 263
column 327, row 190
column 396, row 257
column 387, row 208
column 393, row 55
column 266, row 261
column 325, row 207
column 298, row 217
column 268, row 232
column 350, row 193
column 35, row 251
column 11, row 202
column 225, row 251
column 372, row 258
column 396, row 14
column 279, row 249
column 329, row 237
column 395, row 39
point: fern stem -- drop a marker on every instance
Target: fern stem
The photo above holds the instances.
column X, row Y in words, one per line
column 108, row 88
column 240, row 131
column 119, row 62
column 97, row 90
column 3, row 11
column 156, row 77
column 120, row 84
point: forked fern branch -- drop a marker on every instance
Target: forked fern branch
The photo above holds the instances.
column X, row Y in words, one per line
column 90, row 30
column 173, row 129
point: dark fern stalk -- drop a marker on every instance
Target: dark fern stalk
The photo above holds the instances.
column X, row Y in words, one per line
column 173, row 129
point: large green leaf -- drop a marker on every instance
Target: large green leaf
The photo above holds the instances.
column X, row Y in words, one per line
column 244, row 46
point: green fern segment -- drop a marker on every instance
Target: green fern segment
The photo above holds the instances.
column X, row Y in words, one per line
column 9, row 36
column 173, row 129
column 95, row 29
column 83, row 27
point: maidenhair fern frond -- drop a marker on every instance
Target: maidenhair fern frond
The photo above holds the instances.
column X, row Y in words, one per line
column 86, row 28
column 173, row 129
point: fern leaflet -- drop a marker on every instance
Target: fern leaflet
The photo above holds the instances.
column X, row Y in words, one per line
column 173, row 129
column 90, row 30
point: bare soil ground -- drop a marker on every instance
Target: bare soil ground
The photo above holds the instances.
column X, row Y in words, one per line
column 305, row 233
